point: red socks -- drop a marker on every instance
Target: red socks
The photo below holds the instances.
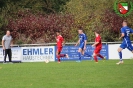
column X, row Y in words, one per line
column 60, row 55
column 100, row 56
column 95, row 58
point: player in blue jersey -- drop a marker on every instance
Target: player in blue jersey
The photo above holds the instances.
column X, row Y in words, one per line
column 82, row 44
column 126, row 43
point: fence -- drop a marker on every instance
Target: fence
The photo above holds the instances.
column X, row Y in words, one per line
column 42, row 52
column 50, row 44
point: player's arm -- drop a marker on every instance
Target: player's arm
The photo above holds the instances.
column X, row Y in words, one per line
column 77, row 42
column 85, row 44
column 95, row 44
column 122, row 33
column 131, row 31
column 63, row 42
column 3, row 44
column 11, row 43
column 85, row 40
column 97, row 41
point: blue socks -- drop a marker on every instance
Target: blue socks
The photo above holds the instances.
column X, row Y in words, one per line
column 88, row 55
column 79, row 56
column 120, row 55
column 85, row 54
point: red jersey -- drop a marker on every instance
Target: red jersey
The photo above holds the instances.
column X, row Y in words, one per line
column 98, row 39
column 59, row 40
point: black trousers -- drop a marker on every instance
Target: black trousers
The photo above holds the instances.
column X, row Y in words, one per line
column 9, row 53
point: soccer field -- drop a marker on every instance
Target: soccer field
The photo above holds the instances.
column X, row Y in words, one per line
column 86, row 74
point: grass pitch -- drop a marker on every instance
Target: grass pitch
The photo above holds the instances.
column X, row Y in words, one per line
column 86, row 74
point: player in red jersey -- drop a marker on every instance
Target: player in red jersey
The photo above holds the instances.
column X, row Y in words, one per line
column 98, row 47
column 60, row 43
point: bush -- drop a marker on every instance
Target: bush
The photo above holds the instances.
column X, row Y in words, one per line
column 30, row 27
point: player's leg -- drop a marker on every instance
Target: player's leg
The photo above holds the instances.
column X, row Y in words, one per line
column 120, row 55
column 83, row 51
column 122, row 46
column 130, row 47
column 99, row 55
column 79, row 54
column 58, row 54
column 5, row 55
column 95, row 57
column 86, row 54
column 10, row 55
column 63, row 55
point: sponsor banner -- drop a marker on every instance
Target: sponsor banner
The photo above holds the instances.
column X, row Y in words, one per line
column 38, row 54
column 16, row 54
column 113, row 53
column 72, row 51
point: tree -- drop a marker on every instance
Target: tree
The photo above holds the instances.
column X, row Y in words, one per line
column 9, row 9
column 93, row 14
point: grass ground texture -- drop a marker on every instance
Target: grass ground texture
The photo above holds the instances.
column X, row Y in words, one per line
column 68, row 74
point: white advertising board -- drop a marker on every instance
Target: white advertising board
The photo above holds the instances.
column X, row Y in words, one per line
column 38, row 54
column 16, row 54
column 113, row 53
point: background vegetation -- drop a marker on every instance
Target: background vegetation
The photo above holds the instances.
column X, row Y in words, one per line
column 35, row 21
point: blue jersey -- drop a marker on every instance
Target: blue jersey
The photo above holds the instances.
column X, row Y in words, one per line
column 126, row 39
column 82, row 38
column 127, row 31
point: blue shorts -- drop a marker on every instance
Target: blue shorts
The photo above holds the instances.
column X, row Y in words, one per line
column 127, row 45
column 81, row 46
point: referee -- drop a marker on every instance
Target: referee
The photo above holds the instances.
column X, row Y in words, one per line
column 6, row 44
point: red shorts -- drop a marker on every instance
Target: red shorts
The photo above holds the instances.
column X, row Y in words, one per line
column 97, row 50
column 59, row 49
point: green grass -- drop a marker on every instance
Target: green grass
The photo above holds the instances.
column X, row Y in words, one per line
column 86, row 74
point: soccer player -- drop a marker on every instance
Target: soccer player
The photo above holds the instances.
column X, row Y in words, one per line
column 60, row 43
column 98, row 46
column 82, row 44
column 126, row 43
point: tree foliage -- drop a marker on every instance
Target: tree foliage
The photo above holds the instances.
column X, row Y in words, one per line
column 14, row 12
column 34, row 20
column 30, row 27
column 97, row 15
